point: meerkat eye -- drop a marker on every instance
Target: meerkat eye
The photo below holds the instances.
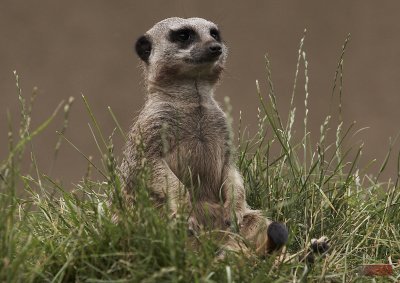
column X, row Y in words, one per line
column 183, row 35
column 215, row 34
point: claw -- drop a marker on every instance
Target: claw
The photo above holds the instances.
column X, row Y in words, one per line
column 317, row 246
column 191, row 232
column 320, row 245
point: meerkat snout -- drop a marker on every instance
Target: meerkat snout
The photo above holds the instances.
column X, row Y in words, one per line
column 215, row 49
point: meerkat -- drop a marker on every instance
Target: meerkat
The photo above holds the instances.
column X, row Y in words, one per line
column 185, row 135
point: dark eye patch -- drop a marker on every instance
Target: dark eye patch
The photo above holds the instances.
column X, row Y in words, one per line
column 215, row 34
column 183, row 36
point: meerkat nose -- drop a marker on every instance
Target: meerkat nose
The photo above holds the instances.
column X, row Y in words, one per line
column 215, row 49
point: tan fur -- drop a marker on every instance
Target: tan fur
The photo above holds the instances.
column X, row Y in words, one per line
column 186, row 140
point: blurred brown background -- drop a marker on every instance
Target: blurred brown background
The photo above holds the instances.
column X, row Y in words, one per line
column 66, row 48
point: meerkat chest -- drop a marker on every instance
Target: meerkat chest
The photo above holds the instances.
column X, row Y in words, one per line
column 200, row 147
column 206, row 126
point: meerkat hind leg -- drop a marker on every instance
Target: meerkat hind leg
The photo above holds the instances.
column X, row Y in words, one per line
column 262, row 235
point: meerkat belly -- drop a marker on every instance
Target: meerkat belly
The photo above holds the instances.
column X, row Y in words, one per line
column 199, row 156
column 198, row 161
column 203, row 158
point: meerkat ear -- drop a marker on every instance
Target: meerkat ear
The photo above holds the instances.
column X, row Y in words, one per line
column 143, row 48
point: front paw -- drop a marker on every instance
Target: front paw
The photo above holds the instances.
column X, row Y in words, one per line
column 193, row 226
column 232, row 219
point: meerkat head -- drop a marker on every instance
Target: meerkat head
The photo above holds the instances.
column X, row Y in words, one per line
column 182, row 49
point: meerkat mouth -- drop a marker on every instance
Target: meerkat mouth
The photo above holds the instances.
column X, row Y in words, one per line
column 208, row 58
column 201, row 61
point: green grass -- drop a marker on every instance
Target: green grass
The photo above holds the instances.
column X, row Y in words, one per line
column 53, row 233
